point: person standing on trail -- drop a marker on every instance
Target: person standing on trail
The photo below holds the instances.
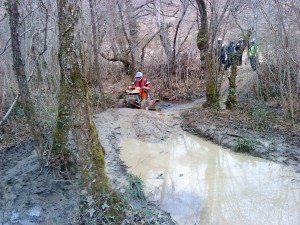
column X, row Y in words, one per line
column 253, row 54
column 221, row 52
column 237, row 48
column 230, row 54
column 141, row 82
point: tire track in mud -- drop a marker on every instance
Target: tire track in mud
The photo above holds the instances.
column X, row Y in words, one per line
column 115, row 125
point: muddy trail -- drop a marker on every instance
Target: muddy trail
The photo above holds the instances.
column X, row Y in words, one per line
column 116, row 125
column 31, row 195
column 153, row 130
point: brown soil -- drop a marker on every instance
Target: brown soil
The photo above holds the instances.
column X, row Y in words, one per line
column 31, row 195
column 278, row 143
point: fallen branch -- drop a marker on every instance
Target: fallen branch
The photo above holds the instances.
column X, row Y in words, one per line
column 10, row 109
column 235, row 135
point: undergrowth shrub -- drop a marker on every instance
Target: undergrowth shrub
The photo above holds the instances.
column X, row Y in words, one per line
column 106, row 208
column 110, row 209
column 245, row 145
column 134, row 189
column 262, row 116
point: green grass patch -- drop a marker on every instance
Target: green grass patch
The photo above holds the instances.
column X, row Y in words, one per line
column 245, row 145
column 134, row 189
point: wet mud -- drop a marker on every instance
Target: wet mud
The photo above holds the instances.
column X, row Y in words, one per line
column 30, row 195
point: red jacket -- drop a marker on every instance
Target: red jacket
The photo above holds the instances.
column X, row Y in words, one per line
column 141, row 83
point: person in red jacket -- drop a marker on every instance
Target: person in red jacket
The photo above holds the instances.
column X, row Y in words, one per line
column 141, row 82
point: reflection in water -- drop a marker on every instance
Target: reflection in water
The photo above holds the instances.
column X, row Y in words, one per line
column 201, row 183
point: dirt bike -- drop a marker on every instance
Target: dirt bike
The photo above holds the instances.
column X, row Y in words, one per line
column 137, row 97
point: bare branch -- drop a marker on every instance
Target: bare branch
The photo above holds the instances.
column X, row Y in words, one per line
column 6, row 46
column 184, row 40
column 144, row 47
column 31, row 74
column 4, row 17
column 45, row 28
column 177, row 29
column 9, row 110
column 8, row 41
column 123, row 23
column 114, row 59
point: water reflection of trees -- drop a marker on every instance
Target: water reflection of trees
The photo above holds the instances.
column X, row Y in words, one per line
column 242, row 190
column 202, row 180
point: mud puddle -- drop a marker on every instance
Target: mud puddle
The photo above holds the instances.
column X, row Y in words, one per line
column 201, row 183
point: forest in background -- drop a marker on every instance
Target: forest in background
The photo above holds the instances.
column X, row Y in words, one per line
column 156, row 37
column 67, row 46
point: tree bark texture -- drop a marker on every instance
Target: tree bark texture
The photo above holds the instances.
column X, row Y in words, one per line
column 74, row 114
column 231, row 102
column 96, row 57
column 212, row 96
column 164, row 36
column 19, row 69
column 134, row 38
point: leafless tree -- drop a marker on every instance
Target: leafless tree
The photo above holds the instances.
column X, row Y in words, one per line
column 25, row 99
column 127, row 44
column 205, row 41
column 96, row 54
column 74, row 115
column 162, row 11
column 280, row 53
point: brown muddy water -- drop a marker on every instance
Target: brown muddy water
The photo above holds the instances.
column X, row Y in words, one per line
column 201, row 183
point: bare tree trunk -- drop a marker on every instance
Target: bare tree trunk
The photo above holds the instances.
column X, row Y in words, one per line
column 205, row 40
column 231, row 102
column 19, row 68
column 96, row 57
column 132, row 36
column 291, row 101
column 3, row 90
column 165, row 39
column 164, row 35
column 212, row 96
column 74, row 116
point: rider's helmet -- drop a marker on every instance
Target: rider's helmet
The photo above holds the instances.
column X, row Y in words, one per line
column 231, row 42
column 139, row 76
column 219, row 40
column 253, row 40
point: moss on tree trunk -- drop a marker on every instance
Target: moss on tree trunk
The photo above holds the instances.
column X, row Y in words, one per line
column 74, row 115
column 90, row 151
column 231, row 102
column 60, row 150
column 212, row 95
